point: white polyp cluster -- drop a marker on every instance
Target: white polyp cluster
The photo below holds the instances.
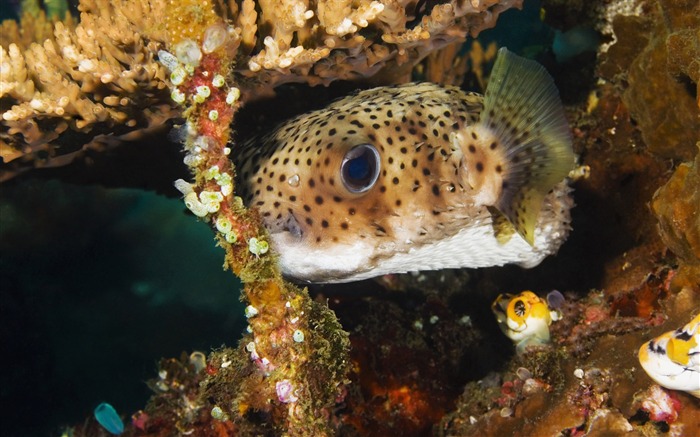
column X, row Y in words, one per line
column 225, row 227
column 224, row 180
column 211, row 200
column 258, row 247
column 214, row 37
column 251, row 311
column 206, row 202
column 87, row 66
column 201, row 93
column 231, row 237
column 345, row 27
column 218, row 81
column 250, row 347
column 193, row 204
column 162, row 384
column 285, row 391
column 232, row 96
column 298, row 336
column 195, row 149
column 183, row 186
column 177, row 96
column 201, row 143
column 193, row 159
column 211, row 173
column 198, row 361
column 213, row 115
column 253, row 66
column 188, row 52
column 178, row 76
column 300, row 14
column 218, row 414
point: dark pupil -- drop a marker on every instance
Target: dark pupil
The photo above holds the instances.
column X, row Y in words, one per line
column 359, row 169
column 519, row 308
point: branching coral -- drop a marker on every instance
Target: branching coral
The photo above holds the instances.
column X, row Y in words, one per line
column 100, row 77
column 97, row 77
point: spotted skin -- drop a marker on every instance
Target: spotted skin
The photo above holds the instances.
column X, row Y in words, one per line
column 410, row 136
column 441, row 174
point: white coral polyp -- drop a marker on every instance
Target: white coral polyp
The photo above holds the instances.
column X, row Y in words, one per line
column 214, row 37
column 345, row 27
column 300, row 14
column 188, row 52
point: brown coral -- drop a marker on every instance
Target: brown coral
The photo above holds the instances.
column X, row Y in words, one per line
column 100, row 77
column 656, row 54
column 676, row 206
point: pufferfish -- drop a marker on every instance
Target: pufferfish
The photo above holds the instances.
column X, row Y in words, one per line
column 673, row 358
column 416, row 177
column 524, row 318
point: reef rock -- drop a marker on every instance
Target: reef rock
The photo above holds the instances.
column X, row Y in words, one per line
column 677, row 206
column 663, row 77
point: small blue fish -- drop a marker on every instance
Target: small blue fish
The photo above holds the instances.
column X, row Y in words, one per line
column 107, row 416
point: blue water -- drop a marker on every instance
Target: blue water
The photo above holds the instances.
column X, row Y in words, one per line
column 97, row 285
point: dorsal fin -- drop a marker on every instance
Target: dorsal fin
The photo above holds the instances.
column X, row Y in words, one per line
column 523, row 111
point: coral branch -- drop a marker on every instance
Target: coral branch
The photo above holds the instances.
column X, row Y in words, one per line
column 293, row 363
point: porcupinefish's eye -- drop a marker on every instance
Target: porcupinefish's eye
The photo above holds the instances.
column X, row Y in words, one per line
column 360, row 168
column 520, row 308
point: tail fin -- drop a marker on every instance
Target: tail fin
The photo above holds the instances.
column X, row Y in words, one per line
column 523, row 113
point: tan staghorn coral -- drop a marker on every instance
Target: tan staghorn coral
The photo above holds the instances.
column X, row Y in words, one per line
column 346, row 40
column 100, row 77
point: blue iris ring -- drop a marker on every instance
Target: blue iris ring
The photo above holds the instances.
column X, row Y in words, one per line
column 360, row 168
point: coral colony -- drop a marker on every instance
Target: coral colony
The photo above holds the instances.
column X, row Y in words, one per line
column 125, row 69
